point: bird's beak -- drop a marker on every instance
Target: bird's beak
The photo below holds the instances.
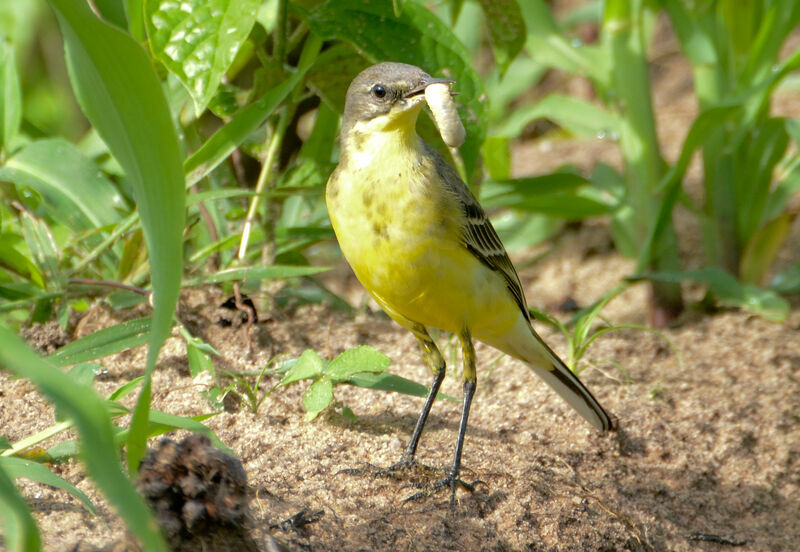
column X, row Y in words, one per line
column 426, row 82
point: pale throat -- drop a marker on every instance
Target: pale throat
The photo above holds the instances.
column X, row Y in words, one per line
column 382, row 142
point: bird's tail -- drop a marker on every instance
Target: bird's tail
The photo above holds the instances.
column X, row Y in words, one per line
column 526, row 345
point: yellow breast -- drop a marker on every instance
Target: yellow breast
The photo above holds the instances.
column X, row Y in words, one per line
column 399, row 227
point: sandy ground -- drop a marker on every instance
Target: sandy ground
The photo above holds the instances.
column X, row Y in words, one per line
column 708, row 456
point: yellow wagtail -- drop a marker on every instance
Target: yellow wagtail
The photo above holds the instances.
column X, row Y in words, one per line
column 421, row 244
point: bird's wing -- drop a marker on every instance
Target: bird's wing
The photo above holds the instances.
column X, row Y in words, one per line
column 478, row 235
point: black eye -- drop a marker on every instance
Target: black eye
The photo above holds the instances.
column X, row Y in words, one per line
column 379, row 91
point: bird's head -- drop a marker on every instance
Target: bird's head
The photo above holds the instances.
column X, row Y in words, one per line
column 386, row 96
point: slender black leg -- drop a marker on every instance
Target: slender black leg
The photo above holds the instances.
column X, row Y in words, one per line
column 452, row 480
column 435, row 362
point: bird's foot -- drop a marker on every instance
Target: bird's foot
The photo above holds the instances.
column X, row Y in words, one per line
column 451, row 481
column 395, row 471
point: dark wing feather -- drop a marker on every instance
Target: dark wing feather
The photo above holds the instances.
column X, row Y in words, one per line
column 478, row 234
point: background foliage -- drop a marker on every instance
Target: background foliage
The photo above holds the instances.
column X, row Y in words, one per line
column 145, row 147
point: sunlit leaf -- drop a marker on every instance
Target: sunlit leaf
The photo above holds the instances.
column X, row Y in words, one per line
column 317, row 397
column 197, row 40
column 356, row 360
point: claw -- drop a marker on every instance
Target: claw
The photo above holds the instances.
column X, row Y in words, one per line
column 429, row 489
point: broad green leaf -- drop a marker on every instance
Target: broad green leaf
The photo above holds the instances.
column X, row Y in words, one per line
column 308, row 365
column 21, row 533
column 74, row 191
column 255, row 273
column 17, row 467
column 417, row 37
column 762, row 248
column 563, row 195
column 126, row 105
column 332, row 72
column 357, row 360
column 729, row 290
column 89, row 413
column 10, row 97
column 390, row 382
column 197, row 40
column 506, row 30
column 574, row 115
column 506, row 193
column 101, row 343
column 317, row 397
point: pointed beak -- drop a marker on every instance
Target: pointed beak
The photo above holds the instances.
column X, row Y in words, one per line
column 426, row 82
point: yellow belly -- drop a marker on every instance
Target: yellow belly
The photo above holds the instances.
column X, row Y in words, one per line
column 402, row 238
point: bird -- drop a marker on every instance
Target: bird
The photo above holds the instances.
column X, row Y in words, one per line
column 420, row 243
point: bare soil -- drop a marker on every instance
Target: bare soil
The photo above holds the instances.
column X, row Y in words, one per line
column 707, row 457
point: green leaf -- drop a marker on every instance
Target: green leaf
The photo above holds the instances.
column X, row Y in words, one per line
column 74, row 191
column 332, row 72
column 390, row 382
column 161, row 422
column 199, row 360
column 224, row 141
column 197, row 40
column 506, row 30
column 762, row 248
column 729, row 290
column 101, row 343
column 44, row 250
column 17, row 467
column 126, row 105
column 308, row 365
column 574, row 115
column 356, row 360
column 317, row 397
column 562, row 194
column 670, row 186
column 497, row 157
column 255, row 273
column 417, row 37
column 21, row 533
column 15, row 261
column 10, row 97
column 90, row 415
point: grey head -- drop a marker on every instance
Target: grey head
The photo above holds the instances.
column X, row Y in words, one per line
column 384, row 87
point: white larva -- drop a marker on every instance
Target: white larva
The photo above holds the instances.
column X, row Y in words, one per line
column 445, row 115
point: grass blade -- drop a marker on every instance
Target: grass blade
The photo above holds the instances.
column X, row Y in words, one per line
column 126, row 105
column 17, row 467
column 91, row 417
column 107, row 341
column 21, row 532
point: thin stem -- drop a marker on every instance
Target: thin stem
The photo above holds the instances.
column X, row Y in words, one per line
column 261, row 184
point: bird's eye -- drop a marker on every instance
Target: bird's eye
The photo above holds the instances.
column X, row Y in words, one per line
column 379, row 91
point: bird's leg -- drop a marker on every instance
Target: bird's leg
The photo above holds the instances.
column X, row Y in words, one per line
column 452, row 480
column 435, row 361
